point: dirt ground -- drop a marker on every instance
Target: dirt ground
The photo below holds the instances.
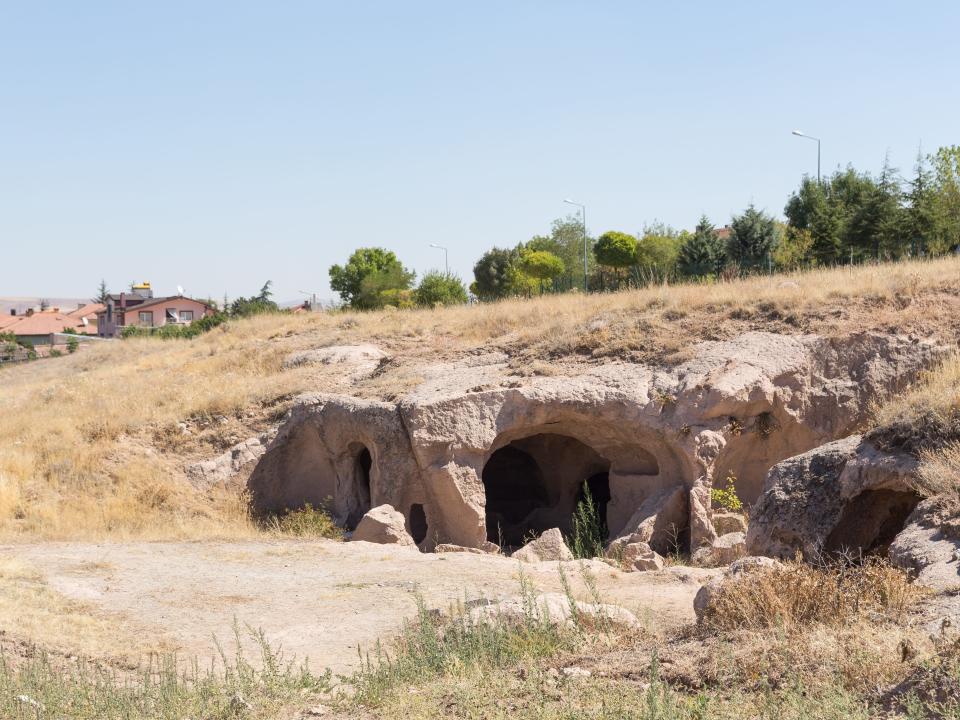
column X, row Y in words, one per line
column 316, row 599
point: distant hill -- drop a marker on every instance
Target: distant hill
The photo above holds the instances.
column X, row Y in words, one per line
column 22, row 304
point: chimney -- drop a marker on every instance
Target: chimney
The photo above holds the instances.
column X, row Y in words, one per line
column 29, row 312
column 123, row 301
column 13, row 311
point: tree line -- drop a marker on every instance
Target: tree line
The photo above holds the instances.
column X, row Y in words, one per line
column 848, row 217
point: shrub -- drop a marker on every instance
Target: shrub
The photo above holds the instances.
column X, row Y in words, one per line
column 589, row 531
column 797, row 594
column 72, row 345
column 55, row 353
column 726, row 497
column 438, row 288
column 308, row 521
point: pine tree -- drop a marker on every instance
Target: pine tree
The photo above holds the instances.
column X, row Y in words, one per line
column 102, row 293
column 701, row 254
column 753, row 237
column 923, row 224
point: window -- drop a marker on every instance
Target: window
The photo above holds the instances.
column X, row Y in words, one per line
column 146, row 318
column 186, row 316
column 170, row 315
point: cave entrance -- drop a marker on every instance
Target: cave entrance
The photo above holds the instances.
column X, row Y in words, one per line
column 870, row 522
column 359, row 489
column 534, row 483
column 418, row 523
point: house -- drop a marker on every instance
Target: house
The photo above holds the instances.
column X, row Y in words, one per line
column 86, row 317
column 139, row 308
column 40, row 328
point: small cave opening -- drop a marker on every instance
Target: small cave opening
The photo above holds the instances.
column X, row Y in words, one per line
column 359, row 488
column 418, row 523
column 534, row 483
column 870, row 522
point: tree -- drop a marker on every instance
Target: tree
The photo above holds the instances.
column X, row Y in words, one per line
column 877, row 229
column 923, row 223
column 701, row 254
column 946, row 169
column 255, row 305
column 437, row 288
column 541, row 265
column 795, row 249
column 389, row 286
column 102, row 295
column 493, row 274
column 617, row 250
column 657, row 253
column 753, row 237
column 347, row 280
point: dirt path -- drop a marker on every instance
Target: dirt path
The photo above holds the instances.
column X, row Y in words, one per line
column 316, row 599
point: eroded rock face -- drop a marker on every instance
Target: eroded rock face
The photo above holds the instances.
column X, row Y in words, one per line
column 845, row 496
column 548, row 547
column 383, row 525
column 485, row 455
column 723, row 551
column 929, row 547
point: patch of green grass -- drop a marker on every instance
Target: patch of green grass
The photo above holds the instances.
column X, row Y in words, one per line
column 430, row 647
column 589, row 529
column 307, row 521
column 37, row 687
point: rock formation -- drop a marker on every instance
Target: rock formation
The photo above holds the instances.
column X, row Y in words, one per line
column 475, row 454
column 383, row 525
column 549, row 546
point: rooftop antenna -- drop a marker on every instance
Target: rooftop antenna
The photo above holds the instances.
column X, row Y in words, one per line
column 179, row 291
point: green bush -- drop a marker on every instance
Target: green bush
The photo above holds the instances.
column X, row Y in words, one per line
column 308, row 521
column 726, row 497
column 438, row 288
column 72, row 345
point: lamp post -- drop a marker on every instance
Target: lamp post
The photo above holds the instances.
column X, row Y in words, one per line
column 817, row 140
column 446, row 261
column 583, row 219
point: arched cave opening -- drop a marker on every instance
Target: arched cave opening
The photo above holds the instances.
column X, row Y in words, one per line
column 534, row 483
column 359, row 488
column 418, row 523
column 870, row 522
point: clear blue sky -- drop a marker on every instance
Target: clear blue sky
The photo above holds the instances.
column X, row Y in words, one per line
column 215, row 145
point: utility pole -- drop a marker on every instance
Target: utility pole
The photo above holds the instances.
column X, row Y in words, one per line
column 583, row 219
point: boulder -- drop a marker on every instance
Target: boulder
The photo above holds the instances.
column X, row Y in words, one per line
column 548, row 547
column 724, row 550
column 659, row 519
column 631, row 553
column 929, row 547
column 843, row 496
column 222, row 468
column 738, row 568
column 361, row 359
column 383, row 525
column 552, row 608
column 729, row 522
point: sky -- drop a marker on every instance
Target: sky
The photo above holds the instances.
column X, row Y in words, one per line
column 216, row 145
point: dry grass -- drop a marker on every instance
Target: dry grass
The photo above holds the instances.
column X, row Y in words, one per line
column 796, row 595
column 95, row 444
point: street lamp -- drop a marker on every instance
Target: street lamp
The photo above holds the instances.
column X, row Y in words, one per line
column 446, row 261
column 583, row 217
column 817, row 140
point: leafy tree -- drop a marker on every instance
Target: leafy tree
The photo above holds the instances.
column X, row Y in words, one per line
column 701, row 254
column 348, row 279
column 946, row 169
column 439, row 288
column 541, row 265
column 795, row 249
column 617, row 250
column 493, row 274
column 102, row 295
column 657, row 253
column 753, row 238
column 389, row 286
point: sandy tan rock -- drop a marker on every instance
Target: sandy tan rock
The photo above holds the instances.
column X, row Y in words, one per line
column 660, row 520
column 361, row 358
column 640, row 556
column 724, row 550
column 729, row 522
column 222, row 468
column 383, row 525
column 486, row 548
column 929, row 546
column 548, row 547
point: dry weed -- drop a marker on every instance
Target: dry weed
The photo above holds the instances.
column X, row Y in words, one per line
column 796, row 595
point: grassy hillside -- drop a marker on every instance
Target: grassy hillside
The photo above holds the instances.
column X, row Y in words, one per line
column 96, row 444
